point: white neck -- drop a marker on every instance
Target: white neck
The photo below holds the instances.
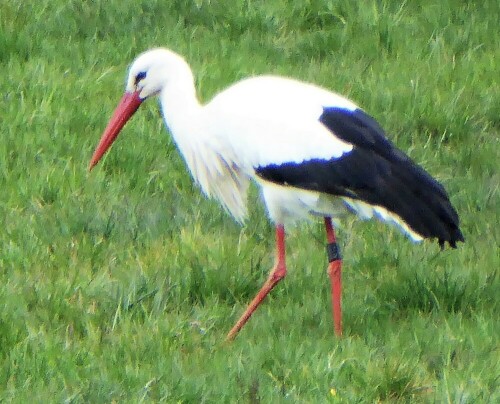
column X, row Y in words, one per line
column 184, row 118
column 180, row 105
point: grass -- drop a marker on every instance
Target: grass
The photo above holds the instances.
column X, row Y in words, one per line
column 119, row 285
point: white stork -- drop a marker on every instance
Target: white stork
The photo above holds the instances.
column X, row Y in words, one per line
column 311, row 151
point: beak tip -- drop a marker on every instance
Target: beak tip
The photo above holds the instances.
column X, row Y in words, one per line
column 92, row 165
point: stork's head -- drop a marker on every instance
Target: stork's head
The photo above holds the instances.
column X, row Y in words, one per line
column 154, row 70
column 149, row 75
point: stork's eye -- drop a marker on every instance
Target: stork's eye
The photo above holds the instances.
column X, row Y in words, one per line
column 139, row 77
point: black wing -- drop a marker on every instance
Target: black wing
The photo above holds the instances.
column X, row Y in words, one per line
column 376, row 172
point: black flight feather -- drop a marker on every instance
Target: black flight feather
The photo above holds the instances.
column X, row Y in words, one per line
column 376, row 172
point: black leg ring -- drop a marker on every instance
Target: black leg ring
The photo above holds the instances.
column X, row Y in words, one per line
column 333, row 251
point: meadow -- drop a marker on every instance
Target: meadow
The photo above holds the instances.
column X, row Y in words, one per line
column 120, row 285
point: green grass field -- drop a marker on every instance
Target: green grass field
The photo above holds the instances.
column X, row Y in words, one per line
column 120, row 285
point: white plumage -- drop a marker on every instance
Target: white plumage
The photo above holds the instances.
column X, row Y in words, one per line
column 313, row 152
column 239, row 130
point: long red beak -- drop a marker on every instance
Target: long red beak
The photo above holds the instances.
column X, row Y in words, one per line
column 123, row 112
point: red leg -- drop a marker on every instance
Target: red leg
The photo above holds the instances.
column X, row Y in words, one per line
column 335, row 274
column 277, row 274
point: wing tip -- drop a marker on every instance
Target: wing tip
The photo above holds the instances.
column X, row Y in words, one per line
column 452, row 240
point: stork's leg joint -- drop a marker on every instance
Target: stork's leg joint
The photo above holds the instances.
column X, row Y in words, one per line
column 333, row 251
column 278, row 273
